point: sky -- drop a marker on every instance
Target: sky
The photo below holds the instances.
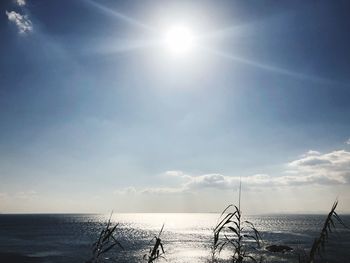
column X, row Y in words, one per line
column 100, row 111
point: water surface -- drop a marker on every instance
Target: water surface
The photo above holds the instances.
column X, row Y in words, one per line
column 186, row 237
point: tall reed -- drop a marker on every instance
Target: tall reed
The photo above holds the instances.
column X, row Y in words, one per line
column 232, row 231
column 105, row 242
column 319, row 243
column 157, row 251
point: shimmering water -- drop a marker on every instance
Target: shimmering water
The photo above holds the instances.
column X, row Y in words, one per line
column 186, row 237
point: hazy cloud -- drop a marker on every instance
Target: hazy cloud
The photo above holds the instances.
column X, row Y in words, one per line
column 19, row 195
column 25, row 194
column 126, row 190
column 152, row 190
column 22, row 22
column 310, row 153
column 312, row 168
column 163, row 190
column 348, row 141
column 3, row 195
column 21, row 2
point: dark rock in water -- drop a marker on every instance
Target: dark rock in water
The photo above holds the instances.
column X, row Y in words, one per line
column 279, row 248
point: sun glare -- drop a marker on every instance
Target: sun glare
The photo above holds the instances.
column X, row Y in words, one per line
column 179, row 40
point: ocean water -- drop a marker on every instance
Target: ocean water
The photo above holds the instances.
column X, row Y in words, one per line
column 186, row 237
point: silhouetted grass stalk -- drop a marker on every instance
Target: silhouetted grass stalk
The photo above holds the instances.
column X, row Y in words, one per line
column 319, row 243
column 157, row 251
column 230, row 231
column 232, row 228
column 105, row 242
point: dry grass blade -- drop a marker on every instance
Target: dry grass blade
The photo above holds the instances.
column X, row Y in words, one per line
column 105, row 242
column 319, row 243
column 230, row 225
column 157, row 251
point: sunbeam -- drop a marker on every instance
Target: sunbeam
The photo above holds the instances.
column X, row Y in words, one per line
column 266, row 67
column 122, row 47
column 121, row 16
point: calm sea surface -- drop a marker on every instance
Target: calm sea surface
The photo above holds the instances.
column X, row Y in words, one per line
column 186, row 237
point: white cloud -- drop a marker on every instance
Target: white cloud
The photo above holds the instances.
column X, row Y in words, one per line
column 330, row 167
column 218, row 181
column 21, row 2
column 312, row 168
column 348, row 141
column 174, row 173
column 22, row 22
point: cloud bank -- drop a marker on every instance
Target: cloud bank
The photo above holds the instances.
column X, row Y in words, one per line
column 19, row 195
column 312, row 168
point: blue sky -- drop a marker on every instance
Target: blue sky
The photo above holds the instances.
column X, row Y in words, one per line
column 97, row 115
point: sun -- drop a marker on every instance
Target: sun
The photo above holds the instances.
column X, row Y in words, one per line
column 179, row 40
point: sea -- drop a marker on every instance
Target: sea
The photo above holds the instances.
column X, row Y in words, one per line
column 186, row 237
